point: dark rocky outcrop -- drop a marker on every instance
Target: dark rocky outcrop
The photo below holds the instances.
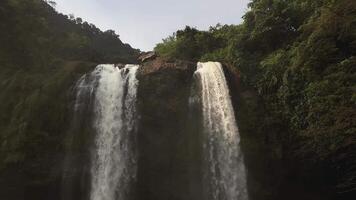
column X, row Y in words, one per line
column 120, row 65
column 168, row 165
column 147, row 56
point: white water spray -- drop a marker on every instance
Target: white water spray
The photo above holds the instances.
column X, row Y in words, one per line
column 114, row 158
column 224, row 170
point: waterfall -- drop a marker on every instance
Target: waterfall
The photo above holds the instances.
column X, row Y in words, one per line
column 223, row 166
column 113, row 104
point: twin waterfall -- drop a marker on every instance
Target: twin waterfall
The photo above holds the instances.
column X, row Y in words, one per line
column 114, row 157
column 114, row 160
column 224, row 170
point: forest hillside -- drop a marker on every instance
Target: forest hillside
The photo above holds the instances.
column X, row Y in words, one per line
column 300, row 57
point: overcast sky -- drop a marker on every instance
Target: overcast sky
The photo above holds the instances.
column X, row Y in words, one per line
column 143, row 23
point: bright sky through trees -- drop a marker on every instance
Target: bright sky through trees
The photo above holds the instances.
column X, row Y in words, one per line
column 143, row 23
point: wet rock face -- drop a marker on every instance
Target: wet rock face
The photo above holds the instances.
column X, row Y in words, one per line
column 168, row 165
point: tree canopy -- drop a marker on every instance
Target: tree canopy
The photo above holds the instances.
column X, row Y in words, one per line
column 300, row 55
column 42, row 54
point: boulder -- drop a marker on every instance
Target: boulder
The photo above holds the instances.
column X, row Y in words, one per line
column 147, row 56
column 120, row 65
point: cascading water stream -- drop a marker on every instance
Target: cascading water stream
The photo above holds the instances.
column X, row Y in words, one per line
column 223, row 166
column 114, row 159
column 106, row 99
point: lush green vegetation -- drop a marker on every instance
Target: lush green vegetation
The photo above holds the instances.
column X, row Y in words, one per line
column 42, row 53
column 300, row 55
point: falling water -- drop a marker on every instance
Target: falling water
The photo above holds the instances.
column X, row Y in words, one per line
column 113, row 165
column 224, row 170
column 76, row 169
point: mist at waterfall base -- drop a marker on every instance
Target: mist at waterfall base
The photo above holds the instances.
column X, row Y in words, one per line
column 107, row 98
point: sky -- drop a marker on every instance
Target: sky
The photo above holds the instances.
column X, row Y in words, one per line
column 144, row 23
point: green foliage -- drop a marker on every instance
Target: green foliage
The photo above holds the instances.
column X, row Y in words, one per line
column 42, row 54
column 34, row 112
column 300, row 56
column 36, row 33
column 188, row 44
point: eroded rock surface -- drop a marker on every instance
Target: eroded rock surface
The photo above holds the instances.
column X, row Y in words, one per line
column 168, row 165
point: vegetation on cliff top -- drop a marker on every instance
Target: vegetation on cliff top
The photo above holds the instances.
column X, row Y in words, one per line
column 42, row 53
column 300, row 55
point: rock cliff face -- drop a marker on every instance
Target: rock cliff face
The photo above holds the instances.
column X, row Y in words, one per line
column 169, row 154
column 169, row 146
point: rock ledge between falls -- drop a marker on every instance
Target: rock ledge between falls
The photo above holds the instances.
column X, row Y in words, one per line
column 159, row 64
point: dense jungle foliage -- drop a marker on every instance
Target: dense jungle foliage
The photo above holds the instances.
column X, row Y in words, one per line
column 300, row 55
column 42, row 53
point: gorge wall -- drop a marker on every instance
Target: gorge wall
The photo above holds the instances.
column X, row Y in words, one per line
column 169, row 154
column 169, row 148
column 175, row 159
